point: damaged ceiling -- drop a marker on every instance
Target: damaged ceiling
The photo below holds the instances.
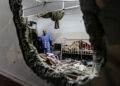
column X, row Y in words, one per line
column 32, row 7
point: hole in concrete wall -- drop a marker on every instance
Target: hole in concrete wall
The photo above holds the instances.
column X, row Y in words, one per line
column 53, row 67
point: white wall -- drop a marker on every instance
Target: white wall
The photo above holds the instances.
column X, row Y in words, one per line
column 11, row 59
column 71, row 26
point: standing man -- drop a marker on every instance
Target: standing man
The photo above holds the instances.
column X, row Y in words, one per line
column 46, row 41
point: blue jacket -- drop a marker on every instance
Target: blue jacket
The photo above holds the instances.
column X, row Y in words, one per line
column 46, row 40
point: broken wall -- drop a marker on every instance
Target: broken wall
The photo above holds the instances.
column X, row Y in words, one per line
column 12, row 63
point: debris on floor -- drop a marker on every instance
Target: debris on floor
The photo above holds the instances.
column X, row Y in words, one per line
column 73, row 69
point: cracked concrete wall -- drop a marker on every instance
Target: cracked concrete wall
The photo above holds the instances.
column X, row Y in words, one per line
column 108, row 16
column 11, row 58
column 34, row 61
column 31, row 56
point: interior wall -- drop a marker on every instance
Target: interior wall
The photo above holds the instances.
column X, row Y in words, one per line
column 11, row 59
column 71, row 26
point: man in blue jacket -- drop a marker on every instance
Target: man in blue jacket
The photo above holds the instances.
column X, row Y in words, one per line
column 46, row 41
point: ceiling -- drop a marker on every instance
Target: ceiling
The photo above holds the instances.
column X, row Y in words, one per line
column 32, row 7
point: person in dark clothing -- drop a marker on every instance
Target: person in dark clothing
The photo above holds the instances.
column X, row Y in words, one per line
column 35, row 40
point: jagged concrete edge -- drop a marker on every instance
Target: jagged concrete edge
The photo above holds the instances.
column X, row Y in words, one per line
column 96, row 32
column 30, row 54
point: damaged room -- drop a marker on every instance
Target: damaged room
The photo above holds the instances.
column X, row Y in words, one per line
column 59, row 43
column 57, row 31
